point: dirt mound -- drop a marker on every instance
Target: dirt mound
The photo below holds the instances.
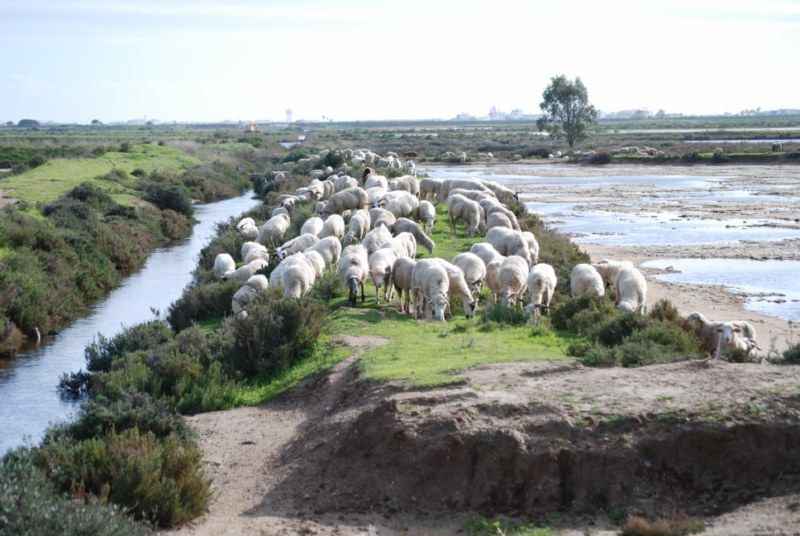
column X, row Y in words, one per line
column 520, row 446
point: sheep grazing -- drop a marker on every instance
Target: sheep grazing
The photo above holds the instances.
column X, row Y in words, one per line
column 504, row 194
column 475, row 195
column 349, row 199
column 316, row 261
column 376, row 238
column 467, row 210
column 404, row 225
column 329, row 248
column 247, row 228
column 777, row 147
column 353, row 270
column 381, row 216
column 498, row 219
column 631, row 290
column 493, row 277
column 403, row 244
column 463, row 184
column 609, row 270
column 486, row 252
column 401, row 280
column 375, row 194
column 511, row 278
column 376, row 181
column 508, row 242
column 343, row 183
column 257, row 250
column 247, row 293
column 458, row 287
column 491, row 206
column 533, row 246
column 358, row 226
column 427, row 214
column 408, row 183
column 279, row 210
column 296, row 275
column 273, row 231
column 332, row 226
column 715, row 337
column 584, row 279
column 312, row 225
column 295, row 245
column 400, row 203
column 380, row 269
column 430, row 285
column 224, row 263
column 541, row 283
column 474, row 270
column 247, row 271
column 429, row 188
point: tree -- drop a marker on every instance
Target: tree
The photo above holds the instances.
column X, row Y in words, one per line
column 28, row 123
column 566, row 108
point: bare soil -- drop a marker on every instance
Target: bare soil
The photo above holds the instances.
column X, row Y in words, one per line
column 551, row 442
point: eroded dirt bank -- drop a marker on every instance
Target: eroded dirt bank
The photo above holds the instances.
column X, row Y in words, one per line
column 557, row 443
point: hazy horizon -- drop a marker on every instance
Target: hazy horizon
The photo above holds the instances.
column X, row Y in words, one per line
column 74, row 61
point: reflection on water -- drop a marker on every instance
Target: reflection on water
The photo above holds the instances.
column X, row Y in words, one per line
column 775, row 283
column 29, row 400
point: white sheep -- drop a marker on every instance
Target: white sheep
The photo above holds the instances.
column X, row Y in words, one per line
column 474, row 270
column 316, row 261
column 631, row 288
column 376, row 238
column 408, row 183
column 358, row 226
column 504, row 194
column 295, row 245
column 429, row 188
column 403, row 244
column 224, row 263
column 731, row 335
column 401, row 280
column 464, row 184
column 279, row 210
column 273, row 231
column 533, row 246
column 375, row 195
column 329, row 248
column 475, row 195
column 486, row 252
column 541, row 283
column 508, row 242
column 332, row 226
column 710, row 333
column 401, row 203
column 247, row 271
column 585, row 279
column 381, row 216
column 404, row 225
column 467, row 210
column 247, row 293
column 427, row 214
column 353, row 270
column 498, row 219
column 249, row 247
column 609, row 270
column 490, row 206
column 376, row 181
column 254, row 253
column 493, row 276
column 247, row 228
column 380, row 269
column 429, row 286
column 312, row 225
column 458, row 287
column 298, row 277
column 344, row 182
column 349, row 199
column 511, row 279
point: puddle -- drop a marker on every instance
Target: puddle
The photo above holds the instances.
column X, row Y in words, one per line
column 774, row 284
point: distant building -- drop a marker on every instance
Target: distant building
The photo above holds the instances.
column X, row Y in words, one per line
column 289, row 116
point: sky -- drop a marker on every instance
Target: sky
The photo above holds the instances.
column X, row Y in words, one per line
column 74, row 61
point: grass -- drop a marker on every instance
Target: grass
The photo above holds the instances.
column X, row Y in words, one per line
column 482, row 526
column 48, row 181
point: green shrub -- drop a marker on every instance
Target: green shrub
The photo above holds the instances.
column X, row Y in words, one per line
column 295, row 155
column 582, row 315
column 501, row 314
column 169, row 197
column 276, row 332
column 10, row 337
column 160, row 480
column 600, row 158
column 198, row 303
column 792, row 354
column 665, row 311
column 31, row 506
column 125, row 147
column 102, row 352
column 691, row 157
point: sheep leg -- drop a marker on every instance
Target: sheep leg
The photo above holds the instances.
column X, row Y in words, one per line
column 362, row 291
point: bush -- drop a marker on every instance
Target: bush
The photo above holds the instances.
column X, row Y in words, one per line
column 10, row 337
column 101, row 353
column 202, row 302
column 31, row 506
column 600, row 158
column 159, row 480
column 792, row 354
column 169, row 197
column 125, row 147
column 275, row 333
column 665, row 311
column 691, row 157
column 501, row 314
column 295, row 155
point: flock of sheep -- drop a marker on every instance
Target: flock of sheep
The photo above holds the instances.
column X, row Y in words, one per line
column 388, row 219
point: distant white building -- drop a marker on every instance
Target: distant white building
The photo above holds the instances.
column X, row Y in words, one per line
column 289, row 116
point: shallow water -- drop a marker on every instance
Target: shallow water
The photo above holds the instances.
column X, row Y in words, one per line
column 774, row 140
column 775, row 283
column 29, row 400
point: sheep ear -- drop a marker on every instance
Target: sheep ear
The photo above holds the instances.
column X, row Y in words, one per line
column 737, row 329
column 719, row 330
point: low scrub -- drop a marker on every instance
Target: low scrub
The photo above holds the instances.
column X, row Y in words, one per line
column 31, row 506
column 202, row 302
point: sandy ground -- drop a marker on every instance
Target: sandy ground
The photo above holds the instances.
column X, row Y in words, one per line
column 338, row 455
